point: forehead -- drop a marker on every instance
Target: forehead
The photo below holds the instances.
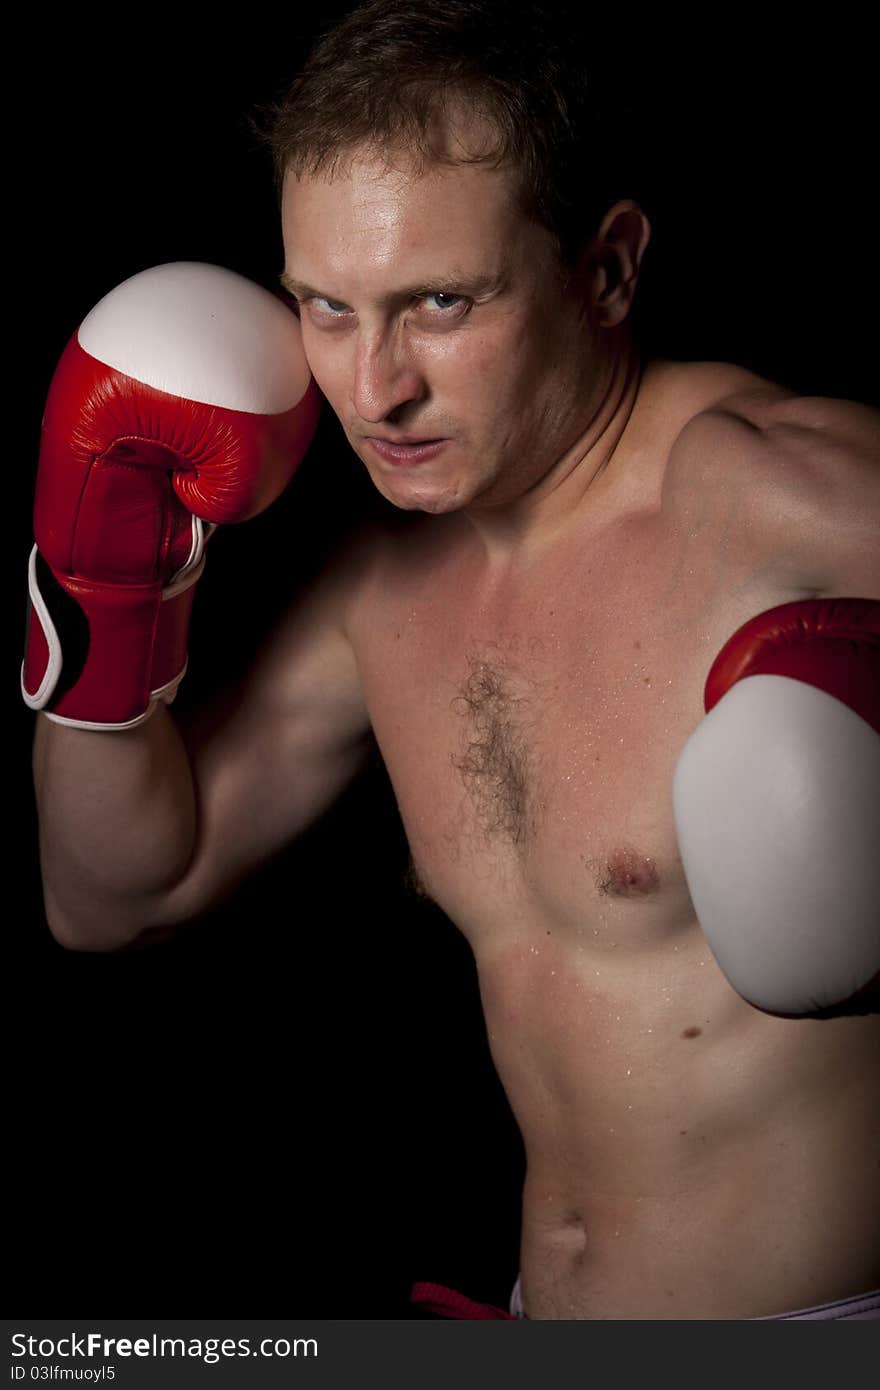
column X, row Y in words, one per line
column 372, row 215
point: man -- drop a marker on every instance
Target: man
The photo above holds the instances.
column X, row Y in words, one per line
column 584, row 533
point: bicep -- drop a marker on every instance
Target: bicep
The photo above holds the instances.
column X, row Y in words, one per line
column 273, row 752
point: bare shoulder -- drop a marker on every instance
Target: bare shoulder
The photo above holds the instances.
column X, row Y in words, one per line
column 342, row 608
column 802, row 472
column 348, row 574
column 403, row 549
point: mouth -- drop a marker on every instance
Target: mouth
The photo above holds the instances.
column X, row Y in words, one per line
column 404, row 451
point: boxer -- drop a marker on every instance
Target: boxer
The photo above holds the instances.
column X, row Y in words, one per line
column 617, row 646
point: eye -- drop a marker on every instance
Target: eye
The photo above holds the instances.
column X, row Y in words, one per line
column 326, row 313
column 331, row 307
column 443, row 300
column 442, row 307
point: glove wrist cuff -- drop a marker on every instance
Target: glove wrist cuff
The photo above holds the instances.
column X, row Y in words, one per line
column 100, row 655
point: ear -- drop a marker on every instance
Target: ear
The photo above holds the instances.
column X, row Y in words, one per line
column 613, row 259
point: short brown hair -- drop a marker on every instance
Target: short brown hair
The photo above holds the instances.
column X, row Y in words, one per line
column 390, row 70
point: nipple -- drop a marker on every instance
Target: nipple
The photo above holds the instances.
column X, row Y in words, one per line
column 629, row 875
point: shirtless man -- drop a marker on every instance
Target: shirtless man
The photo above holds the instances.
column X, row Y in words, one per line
column 528, row 650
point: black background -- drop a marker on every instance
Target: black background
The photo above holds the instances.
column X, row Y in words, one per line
column 291, row 1110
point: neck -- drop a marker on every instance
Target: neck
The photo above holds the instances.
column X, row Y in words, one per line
column 580, row 479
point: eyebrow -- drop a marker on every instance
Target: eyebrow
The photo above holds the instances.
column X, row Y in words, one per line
column 464, row 283
column 293, row 286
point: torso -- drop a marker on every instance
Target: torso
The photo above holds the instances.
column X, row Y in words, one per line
column 687, row 1155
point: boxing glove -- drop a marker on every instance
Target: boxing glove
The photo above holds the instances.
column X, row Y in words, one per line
column 181, row 403
column 776, row 800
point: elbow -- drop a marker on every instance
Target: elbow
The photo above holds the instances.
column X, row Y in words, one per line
column 95, row 933
column 74, row 938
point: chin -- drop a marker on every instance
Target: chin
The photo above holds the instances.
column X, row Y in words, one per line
column 412, row 495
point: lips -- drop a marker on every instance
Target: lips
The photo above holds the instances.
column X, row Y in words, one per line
column 401, row 452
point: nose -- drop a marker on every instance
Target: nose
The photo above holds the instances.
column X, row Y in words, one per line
column 386, row 378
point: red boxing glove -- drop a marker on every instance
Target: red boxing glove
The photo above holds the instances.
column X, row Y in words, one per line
column 184, row 398
column 776, row 797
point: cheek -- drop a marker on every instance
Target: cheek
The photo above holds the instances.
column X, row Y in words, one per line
column 327, row 366
column 513, row 382
column 490, row 373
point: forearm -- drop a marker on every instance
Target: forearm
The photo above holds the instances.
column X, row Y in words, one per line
column 117, row 817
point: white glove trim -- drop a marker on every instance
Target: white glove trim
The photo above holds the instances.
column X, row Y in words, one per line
column 53, row 666
column 101, row 728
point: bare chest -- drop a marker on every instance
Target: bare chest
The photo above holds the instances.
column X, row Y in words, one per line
column 531, row 728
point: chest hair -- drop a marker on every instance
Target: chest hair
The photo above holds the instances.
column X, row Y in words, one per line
column 496, row 711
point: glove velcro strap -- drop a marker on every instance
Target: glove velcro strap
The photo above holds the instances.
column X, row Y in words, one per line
column 98, row 655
